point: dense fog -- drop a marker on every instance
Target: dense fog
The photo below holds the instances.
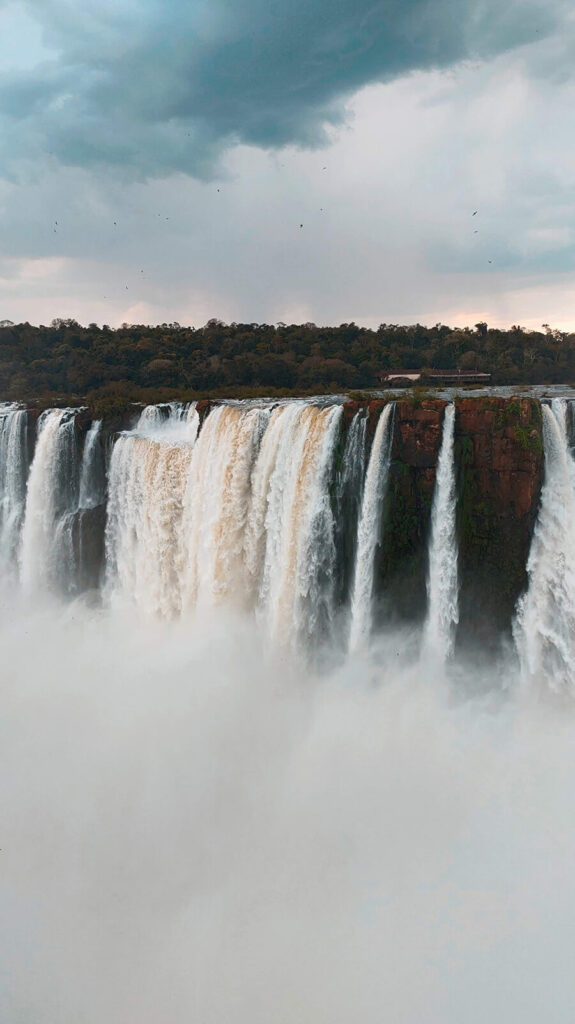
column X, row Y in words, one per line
column 192, row 830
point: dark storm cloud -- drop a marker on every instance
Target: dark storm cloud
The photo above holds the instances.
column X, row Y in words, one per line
column 149, row 87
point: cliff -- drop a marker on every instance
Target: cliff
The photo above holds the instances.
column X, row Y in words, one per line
column 498, row 456
column 499, row 468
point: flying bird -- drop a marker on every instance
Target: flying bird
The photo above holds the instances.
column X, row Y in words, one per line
column 301, row 225
column 474, row 214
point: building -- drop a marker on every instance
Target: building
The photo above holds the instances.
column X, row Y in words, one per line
column 427, row 376
column 403, row 376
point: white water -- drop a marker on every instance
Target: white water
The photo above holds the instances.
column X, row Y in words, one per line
column 151, row 417
column 545, row 624
column 194, row 827
column 13, row 468
column 147, row 482
column 242, row 517
column 257, row 512
column 368, row 536
column 353, row 461
column 173, row 421
column 46, row 554
column 92, row 482
column 442, row 582
column 290, row 539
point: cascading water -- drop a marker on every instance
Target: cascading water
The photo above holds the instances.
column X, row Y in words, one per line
column 244, row 516
column 368, row 535
column 442, row 581
column 349, row 497
column 152, row 416
column 47, row 556
column 289, row 513
column 266, row 509
column 166, row 788
column 13, row 467
column 217, row 504
column 544, row 628
column 92, row 472
column 147, row 483
column 175, row 421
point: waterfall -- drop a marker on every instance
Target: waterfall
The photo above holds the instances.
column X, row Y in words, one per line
column 442, row 581
column 369, row 528
column 92, row 474
column 192, row 419
column 349, row 496
column 350, row 481
column 47, row 556
column 242, row 516
column 147, row 482
column 152, row 416
column 216, row 505
column 290, row 545
column 544, row 627
column 13, row 466
column 175, row 421
column 269, row 509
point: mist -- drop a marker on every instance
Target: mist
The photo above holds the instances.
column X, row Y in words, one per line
column 194, row 829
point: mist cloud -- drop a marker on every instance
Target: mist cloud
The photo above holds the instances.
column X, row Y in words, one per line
column 190, row 833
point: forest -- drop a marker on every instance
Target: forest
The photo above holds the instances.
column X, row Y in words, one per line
column 101, row 366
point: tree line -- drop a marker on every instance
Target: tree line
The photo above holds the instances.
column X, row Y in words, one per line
column 67, row 361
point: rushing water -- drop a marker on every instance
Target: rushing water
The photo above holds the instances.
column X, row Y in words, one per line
column 442, row 583
column 274, row 510
column 197, row 824
column 369, row 530
column 13, row 469
column 545, row 626
column 92, row 472
column 46, row 555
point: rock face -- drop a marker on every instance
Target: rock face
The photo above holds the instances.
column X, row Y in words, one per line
column 499, row 454
column 402, row 564
column 499, row 468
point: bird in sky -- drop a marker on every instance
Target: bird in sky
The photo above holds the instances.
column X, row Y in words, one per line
column 474, row 214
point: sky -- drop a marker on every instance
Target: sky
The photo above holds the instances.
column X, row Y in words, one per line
column 331, row 161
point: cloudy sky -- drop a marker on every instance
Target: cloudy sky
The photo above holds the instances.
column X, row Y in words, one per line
column 266, row 160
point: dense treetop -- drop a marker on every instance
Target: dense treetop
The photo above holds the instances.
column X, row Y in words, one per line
column 67, row 361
